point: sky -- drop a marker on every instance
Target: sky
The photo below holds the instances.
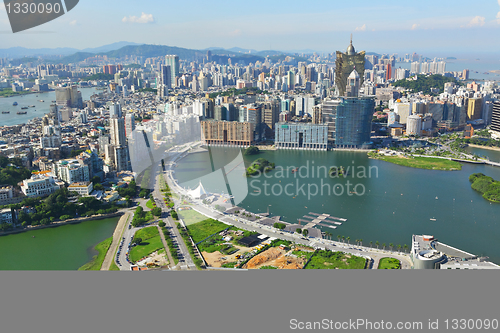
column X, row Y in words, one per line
column 436, row 28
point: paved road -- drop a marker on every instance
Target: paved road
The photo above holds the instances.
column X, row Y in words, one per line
column 110, row 255
column 185, row 260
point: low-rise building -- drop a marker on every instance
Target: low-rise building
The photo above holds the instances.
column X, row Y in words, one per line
column 82, row 188
column 6, row 216
column 39, row 185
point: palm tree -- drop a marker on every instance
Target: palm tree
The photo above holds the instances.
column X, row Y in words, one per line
column 343, row 239
column 399, row 247
column 377, row 243
column 371, row 244
column 339, row 237
column 405, row 247
column 348, row 239
column 360, row 242
column 383, row 245
column 391, row 245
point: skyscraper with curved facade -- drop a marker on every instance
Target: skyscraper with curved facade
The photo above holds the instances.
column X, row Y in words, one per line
column 345, row 64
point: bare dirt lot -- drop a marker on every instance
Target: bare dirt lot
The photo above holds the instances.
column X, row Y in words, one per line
column 275, row 257
column 214, row 259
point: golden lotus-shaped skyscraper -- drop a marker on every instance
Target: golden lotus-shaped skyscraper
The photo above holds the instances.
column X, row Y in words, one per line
column 345, row 64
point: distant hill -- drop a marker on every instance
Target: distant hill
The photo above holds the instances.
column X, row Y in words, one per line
column 109, row 47
column 19, row 52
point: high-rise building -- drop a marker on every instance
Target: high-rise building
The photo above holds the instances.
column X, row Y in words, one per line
column 68, row 97
column 345, row 64
column 173, row 62
column 414, row 125
column 495, row 120
column 352, row 87
column 129, row 124
column 465, row 74
column 165, row 76
column 117, row 131
column 301, row 135
column 227, row 133
column 115, row 110
column 474, row 108
column 354, row 122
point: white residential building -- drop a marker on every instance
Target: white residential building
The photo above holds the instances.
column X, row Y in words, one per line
column 38, row 186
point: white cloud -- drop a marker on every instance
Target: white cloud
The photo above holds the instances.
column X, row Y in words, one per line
column 415, row 26
column 144, row 18
column 363, row 27
column 72, row 22
column 477, row 21
column 498, row 17
column 498, row 2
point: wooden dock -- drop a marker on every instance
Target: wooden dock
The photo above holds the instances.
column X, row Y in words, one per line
column 323, row 220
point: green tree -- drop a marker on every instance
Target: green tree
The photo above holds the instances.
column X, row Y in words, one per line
column 305, row 232
column 377, row 243
column 137, row 240
column 298, row 230
column 391, row 245
column 383, row 246
column 161, row 224
column 156, row 211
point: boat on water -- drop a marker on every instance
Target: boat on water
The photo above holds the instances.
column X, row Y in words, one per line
column 15, row 103
column 53, row 101
column 433, row 219
column 21, row 112
column 295, row 170
column 31, row 106
column 24, row 108
column 4, row 112
column 41, row 100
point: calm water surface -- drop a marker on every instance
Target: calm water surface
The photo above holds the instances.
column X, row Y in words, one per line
column 397, row 201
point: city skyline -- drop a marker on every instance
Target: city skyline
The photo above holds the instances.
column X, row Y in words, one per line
column 439, row 29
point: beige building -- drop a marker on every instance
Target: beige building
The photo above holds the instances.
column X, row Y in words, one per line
column 227, row 133
column 82, row 188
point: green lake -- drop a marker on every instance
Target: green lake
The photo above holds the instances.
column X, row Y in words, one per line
column 65, row 247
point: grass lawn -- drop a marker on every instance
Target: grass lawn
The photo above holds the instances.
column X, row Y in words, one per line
column 389, row 263
column 303, row 254
column 324, row 259
column 145, row 248
column 147, row 232
column 422, row 162
column 229, row 264
column 96, row 262
column 191, row 216
column 268, row 267
column 113, row 267
column 201, row 230
column 149, row 204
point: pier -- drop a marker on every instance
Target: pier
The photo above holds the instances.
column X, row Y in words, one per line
column 323, row 220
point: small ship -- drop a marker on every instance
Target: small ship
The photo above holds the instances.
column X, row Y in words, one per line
column 21, row 112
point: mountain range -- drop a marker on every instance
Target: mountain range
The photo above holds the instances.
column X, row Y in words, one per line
column 121, row 49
